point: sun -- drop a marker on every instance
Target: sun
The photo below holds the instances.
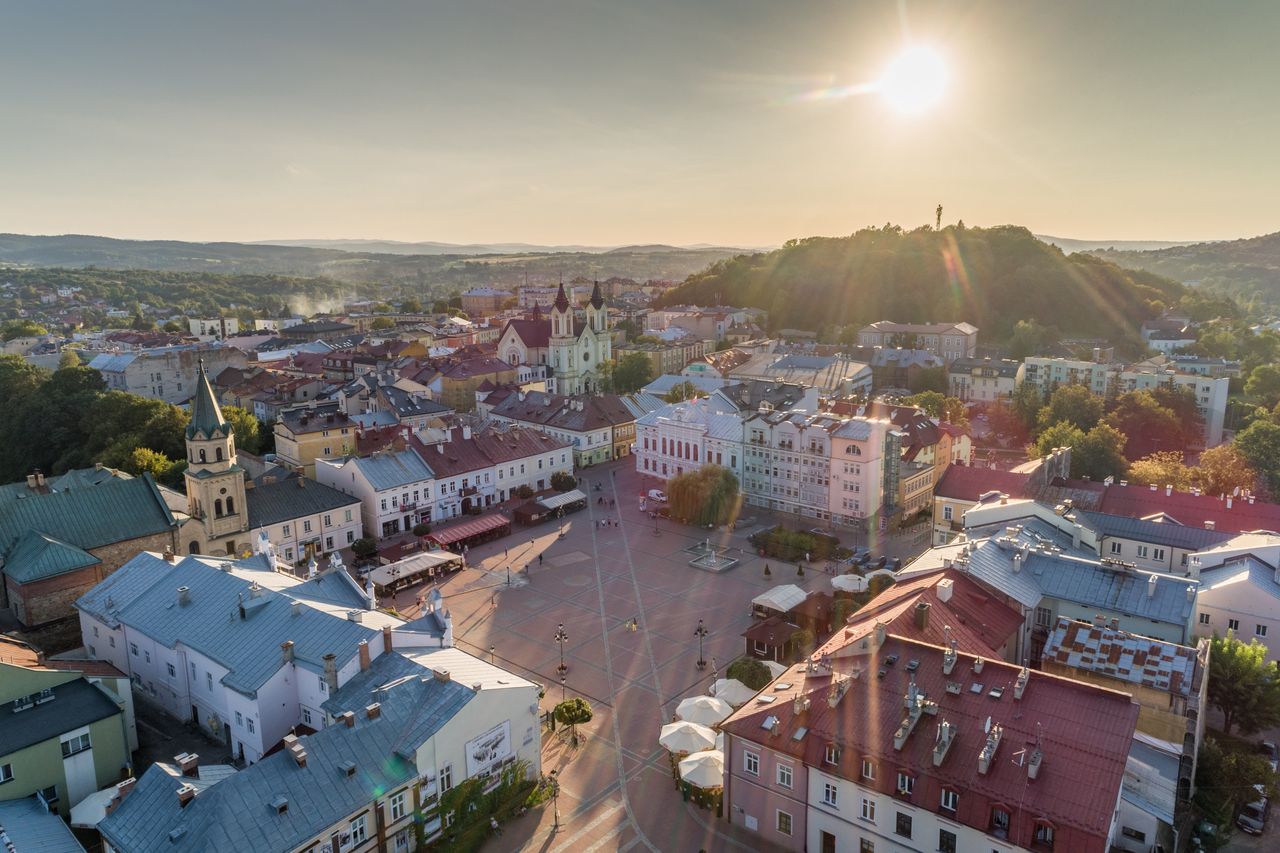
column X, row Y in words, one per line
column 915, row 81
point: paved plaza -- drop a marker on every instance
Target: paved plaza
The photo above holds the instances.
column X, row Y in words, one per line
column 616, row 788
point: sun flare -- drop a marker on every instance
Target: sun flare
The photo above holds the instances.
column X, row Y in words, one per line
column 915, row 81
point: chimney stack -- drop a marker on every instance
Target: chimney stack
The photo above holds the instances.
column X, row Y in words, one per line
column 286, row 651
column 184, row 593
column 1229, row 501
column 186, row 794
column 348, row 718
column 1076, row 531
column 168, row 554
column 373, row 711
column 1151, row 586
column 363, row 646
column 922, row 615
column 188, row 762
column 386, row 638
column 1209, row 524
column 1168, row 490
column 331, row 672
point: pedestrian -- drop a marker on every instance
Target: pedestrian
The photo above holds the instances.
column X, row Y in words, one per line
column 493, row 824
column 539, row 559
column 493, row 601
column 504, row 553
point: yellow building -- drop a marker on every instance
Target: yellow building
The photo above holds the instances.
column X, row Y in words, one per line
column 305, row 435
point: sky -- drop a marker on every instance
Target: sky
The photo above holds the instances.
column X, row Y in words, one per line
column 610, row 122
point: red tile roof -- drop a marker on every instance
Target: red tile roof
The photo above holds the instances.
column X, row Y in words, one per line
column 1192, row 510
column 1084, row 733
column 536, row 334
column 965, row 483
column 979, row 622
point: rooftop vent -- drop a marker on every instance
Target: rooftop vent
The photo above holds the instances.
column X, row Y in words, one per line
column 942, row 741
column 988, row 753
column 1020, row 686
column 348, row 768
column 280, row 804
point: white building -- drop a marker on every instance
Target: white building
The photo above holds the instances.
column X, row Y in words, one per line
column 215, row 327
column 394, row 488
column 983, row 380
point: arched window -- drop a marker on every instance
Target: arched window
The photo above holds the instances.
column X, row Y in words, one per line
column 193, row 547
column 202, row 456
column 217, row 508
column 217, row 454
column 231, row 506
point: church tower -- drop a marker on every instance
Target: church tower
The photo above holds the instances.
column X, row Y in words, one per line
column 215, row 483
column 561, row 351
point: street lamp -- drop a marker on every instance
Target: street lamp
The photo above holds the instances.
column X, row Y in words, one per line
column 562, row 686
column 561, row 639
column 492, row 659
column 700, row 632
column 508, row 576
column 555, row 799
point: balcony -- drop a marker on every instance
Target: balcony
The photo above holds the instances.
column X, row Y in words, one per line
column 468, row 491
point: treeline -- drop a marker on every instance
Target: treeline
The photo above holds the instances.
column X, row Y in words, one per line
column 990, row 277
column 56, row 421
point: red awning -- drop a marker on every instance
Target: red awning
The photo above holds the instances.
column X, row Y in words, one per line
column 467, row 529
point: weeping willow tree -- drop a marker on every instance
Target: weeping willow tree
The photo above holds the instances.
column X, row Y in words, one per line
column 706, row 496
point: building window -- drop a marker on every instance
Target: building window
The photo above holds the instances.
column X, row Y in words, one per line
column 866, row 845
column 1116, row 547
column 306, row 527
column 946, row 841
column 111, row 641
column 832, row 755
column 239, row 719
column 208, row 681
column 328, row 521
column 999, row 823
column 868, row 769
column 1044, row 835
column 446, row 778
column 359, row 830
column 829, row 794
column 946, row 513
column 1204, row 618
column 286, row 530
column 751, row 763
column 950, row 799
column 1233, row 624
column 147, row 656
column 249, row 723
column 173, row 673
column 906, row 783
column 868, row 809
column 351, row 536
column 1157, row 554
column 79, row 743
column 1130, row 832
column 306, row 716
column 903, row 825
column 6, row 773
column 133, row 649
column 1260, row 630
column 784, row 776
column 784, row 822
column 1142, row 551
column 397, row 806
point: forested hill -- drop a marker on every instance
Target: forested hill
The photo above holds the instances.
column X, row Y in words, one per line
column 1246, row 270
column 991, row 277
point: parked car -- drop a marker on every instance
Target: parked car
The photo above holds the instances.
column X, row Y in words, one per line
column 1253, row 818
column 1268, row 749
column 658, row 495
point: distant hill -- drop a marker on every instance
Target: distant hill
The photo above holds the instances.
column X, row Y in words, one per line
column 1068, row 244
column 427, row 247
column 429, row 272
column 991, row 277
column 1247, row 270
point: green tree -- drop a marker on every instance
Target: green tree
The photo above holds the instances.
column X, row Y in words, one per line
column 421, row 529
column 931, row 402
column 411, row 306
column 750, row 672
column 1162, row 469
column 1028, row 338
column 1147, row 425
column 173, row 327
column 1263, row 385
column 440, row 306
column 1026, row 404
column 69, row 358
column 524, row 491
column 1223, row 469
column 632, row 372
column 144, row 460
column 141, row 323
column 1096, row 454
column 1225, row 780
column 1075, row 405
column 382, row 323
column 706, row 496
column 803, row 642
column 12, row 329
column 1259, row 444
column 680, row 392
column 364, row 547
column 573, row 713
column 930, row 379
column 563, row 481
column 1243, row 684
column 246, row 427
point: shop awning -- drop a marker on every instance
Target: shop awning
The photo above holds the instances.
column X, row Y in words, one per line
column 563, row 499
column 467, row 529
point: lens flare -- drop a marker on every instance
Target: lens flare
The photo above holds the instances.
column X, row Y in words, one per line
column 915, row 81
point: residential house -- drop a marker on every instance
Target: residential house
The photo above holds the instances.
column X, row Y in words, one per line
column 831, row 375
column 393, row 488
column 170, row 374
column 1170, row 683
column 70, row 730
column 905, row 745
column 983, row 380
column 216, row 327
column 590, row 424
column 321, row 431
column 948, row 341
column 484, row 301
column 663, row 358
column 301, row 517
column 895, row 367
column 474, row 469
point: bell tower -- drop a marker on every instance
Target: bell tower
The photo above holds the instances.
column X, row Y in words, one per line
column 215, row 483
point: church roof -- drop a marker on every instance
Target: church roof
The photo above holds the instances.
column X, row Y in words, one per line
column 562, row 301
column 597, row 300
column 206, row 414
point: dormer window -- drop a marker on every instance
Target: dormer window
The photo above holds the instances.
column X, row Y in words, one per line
column 868, row 769
column 1043, row 837
column 906, row 783
column 832, row 754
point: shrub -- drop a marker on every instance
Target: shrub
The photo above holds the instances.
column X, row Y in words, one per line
column 421, row 529
column 750, row 672
column 563, row 481
column 364, row 547
column 524, row 492
column 572, row 713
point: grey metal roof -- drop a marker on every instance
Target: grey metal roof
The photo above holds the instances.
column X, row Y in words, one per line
column 211, row 623
column 38, row 555
column 1169, row 534
column 1262, row 576
column 358, row 692
column 393, row 469
column 74, row 704
column 30, row 826
column 237, row 812
column 284, row 500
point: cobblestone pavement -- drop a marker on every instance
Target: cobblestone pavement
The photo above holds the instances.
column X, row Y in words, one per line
column 616, row 788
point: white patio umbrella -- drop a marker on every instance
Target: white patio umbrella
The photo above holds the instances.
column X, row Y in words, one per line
column 704, row 769
column 732, row 691
column 720, row 741
column 849, row 583
column 686, row 737
column 707, row 710
column 775, row 669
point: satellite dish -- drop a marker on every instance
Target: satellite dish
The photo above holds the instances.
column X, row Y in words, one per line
column 986, row 727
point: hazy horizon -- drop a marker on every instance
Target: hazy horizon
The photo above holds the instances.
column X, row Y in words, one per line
column 739, row 124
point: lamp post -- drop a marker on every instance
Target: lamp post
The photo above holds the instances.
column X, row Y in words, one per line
column 555, row 799
column 561, row 639
column 492, row 656
column 562, row 686
column 508, row 576
column 700, row 632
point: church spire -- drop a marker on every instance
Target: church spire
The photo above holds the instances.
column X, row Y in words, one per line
column 597, row 301
column 562, row 301
column 206, row 414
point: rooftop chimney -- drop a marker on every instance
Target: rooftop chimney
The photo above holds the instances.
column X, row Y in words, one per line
column 168, row 554
column 184, row 593
column 331, row 671
column 1209, row 524
column 945, row 588
column 363, row 647
column 942, row 741
column 988, row 753
column 1191, row 593
column 880, row 634
column 1151, row 586
column 1229, row 501
column 286, row 651
column 1168, row 490
column 348, row 718
column 1018, row 556
column 373, row 711
column 1020, row 686
column 922, row 615
column 386, row 638
column 1076, row 530
column 122, row 791
column 186, row 794
column 187, row 762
